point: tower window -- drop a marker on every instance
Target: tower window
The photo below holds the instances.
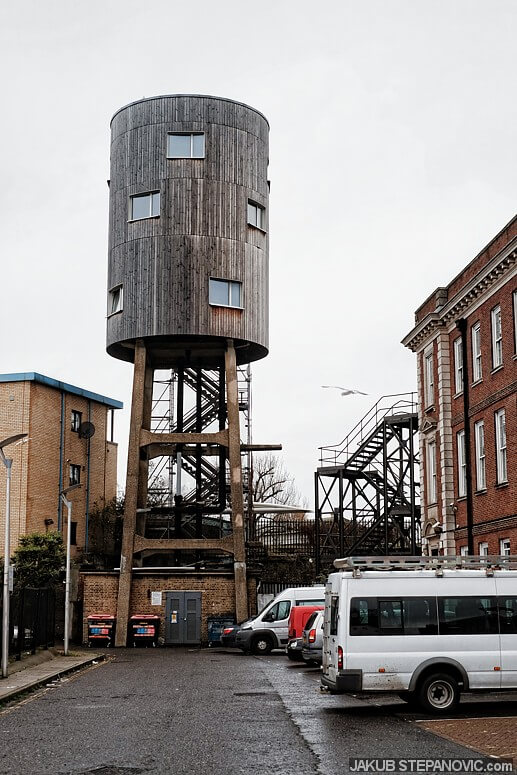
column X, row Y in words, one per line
column 76, row 421
column 145, row 206
column 225, row 293
column 115, row 300
column 183, row 145
column 256, row 215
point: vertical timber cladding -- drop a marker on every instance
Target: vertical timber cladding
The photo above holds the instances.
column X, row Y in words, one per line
column 162, row 262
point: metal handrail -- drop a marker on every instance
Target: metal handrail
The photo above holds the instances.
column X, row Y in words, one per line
column 488, row 562
column 406, row 402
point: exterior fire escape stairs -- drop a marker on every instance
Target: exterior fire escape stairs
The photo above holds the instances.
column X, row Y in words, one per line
column 366, row 488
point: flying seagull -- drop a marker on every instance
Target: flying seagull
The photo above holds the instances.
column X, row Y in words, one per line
column 345, row 391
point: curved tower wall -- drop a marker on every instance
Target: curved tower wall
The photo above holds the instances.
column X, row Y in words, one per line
column 163, row 263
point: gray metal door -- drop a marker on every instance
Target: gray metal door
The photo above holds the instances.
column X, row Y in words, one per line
column 183, row 618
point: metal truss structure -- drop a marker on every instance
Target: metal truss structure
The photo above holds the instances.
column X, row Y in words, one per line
column 366, row 487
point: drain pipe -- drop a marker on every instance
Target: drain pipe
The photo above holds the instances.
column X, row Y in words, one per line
column 461, row 325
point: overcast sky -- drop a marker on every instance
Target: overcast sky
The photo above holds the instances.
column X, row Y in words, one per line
column 392, row 163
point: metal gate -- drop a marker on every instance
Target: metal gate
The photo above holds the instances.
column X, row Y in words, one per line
column 182, row 618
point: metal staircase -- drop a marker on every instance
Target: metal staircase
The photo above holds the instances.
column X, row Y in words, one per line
column 367, row 486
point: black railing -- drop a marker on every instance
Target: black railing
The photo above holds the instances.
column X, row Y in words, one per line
column 31, row 620
column 286, row 536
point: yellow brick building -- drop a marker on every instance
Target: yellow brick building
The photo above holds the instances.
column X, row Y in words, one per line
column 70, row 439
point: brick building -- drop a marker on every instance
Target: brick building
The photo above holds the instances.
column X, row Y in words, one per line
column 465, row 338
column 53, row 415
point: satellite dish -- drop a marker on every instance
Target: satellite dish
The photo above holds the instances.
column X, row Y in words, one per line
column 86, row 430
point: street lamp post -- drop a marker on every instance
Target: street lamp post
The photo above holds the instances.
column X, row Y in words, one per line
column 8, row 462
column 68, row 505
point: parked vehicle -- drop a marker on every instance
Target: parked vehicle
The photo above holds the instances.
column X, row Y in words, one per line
column 269, row 629
column 312, row 639
column 427, row 628
column 297, row 619
column 228, row 635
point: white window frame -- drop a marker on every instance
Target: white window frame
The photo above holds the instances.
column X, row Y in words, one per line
column 229, row 283
column 458, row 366
column 112, row 298
column 479, row 436
column 504, row 547
column 429, row 379
column 500, row 447
column 483, row 549
column 154, row 199
column 514, row 296
column 76, row 418
column 191, row 135
column 462, row 464
column 477, row 366
column 432, row 492
column 256, row 215
column 75, row 468
column 497, row 337
column 464, row 551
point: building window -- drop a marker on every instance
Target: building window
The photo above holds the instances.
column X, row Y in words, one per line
column 256, row 215
column 145, row 206
column 73, row 533
column 464, row 550
column 477, row 372
column 75, row 474
column 431, row 473
column 497, row 338
column 462, row 465
column 76, row 421
column 500, row 446
column 429, row 380
column 504, row 547
column 515, row 321
column 483, row 549
column 479, row 433
column 185, row 145
column 225, row 293
column 115, row 300
column 458, row 366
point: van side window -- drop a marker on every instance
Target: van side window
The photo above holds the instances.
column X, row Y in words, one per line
column 334, row 609
column 364, row 617
column 467, row 615
column 409, row 616
column 278, row 612
column 420, row 616
column 508, row 615
column 390, row 615
column 310, row 602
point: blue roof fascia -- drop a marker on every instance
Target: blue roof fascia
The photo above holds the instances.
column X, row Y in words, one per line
column 32, row 376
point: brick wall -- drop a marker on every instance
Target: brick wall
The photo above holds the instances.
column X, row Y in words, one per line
column 217, row 595
column 14, row 418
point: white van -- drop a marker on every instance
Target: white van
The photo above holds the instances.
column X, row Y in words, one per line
column 426, row 628
column 268, row 630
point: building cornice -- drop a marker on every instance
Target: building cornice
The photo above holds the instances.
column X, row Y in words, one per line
column 499, row 266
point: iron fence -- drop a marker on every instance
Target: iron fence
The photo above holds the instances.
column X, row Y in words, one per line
column 32, row 615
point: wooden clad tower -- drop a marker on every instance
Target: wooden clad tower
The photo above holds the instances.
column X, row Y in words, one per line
column 187, row 290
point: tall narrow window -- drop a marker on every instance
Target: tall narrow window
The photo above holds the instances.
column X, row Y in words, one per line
column 225, row 293
column 504, row 547
column 500, row 446
column 462, row 465
column 145, row 206
column 429, row 380
column 464, row 550
column 458, row 366
column 431, row 473
column 483, row 548
column 186, row 145
column 477, row 372
column 73, row 533
column 75, row 474
column 115, row 300
column 479, row 433
column 256, row 215
column 497, row 338
column 76, row 420
column 515, row 321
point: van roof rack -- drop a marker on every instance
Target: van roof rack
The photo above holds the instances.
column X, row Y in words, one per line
column 488, row 563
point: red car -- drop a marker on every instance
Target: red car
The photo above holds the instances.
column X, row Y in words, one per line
column 297, row 619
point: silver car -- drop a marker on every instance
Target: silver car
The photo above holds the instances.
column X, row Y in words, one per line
column 312, row 639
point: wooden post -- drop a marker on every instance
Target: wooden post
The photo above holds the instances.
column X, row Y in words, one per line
column 234, row 456
column 139, row 411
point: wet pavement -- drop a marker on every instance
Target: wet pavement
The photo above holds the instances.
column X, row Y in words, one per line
column 206, row 711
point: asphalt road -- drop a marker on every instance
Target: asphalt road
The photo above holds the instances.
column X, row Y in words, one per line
column 203, row 711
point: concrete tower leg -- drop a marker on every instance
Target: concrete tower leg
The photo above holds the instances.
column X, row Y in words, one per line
column 136, row 483
column 235, row 460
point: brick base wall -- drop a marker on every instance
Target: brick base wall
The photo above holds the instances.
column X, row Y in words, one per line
column 217, row 596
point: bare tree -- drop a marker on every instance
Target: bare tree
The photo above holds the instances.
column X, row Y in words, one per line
column 272, row 483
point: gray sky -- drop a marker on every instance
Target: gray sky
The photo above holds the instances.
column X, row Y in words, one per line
column 392, row 163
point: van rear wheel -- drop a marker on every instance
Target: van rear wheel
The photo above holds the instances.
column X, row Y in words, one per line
column 439, row 693
column 262, row 644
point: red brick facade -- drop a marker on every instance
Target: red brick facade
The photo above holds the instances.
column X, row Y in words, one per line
column 217, row 595
column 484, row 295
